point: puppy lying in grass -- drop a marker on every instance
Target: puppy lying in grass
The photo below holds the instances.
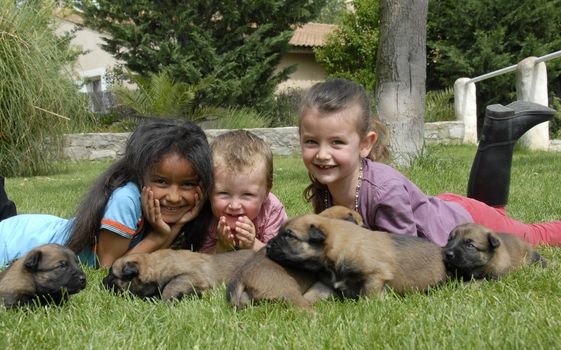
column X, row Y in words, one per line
column 172, row 274
column 474, row 251
column 261, row 278
column 355, row 261
column 47, row 274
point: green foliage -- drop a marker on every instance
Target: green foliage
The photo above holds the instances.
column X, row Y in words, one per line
column 439, row 105
column 286, row 107
column 473, row 37
column 115, row 121
column 233, row 118
column 350, row 51
column 159, row 95
column 519, row 311
column 235, row 45
column 38, row 99
column 331, row 12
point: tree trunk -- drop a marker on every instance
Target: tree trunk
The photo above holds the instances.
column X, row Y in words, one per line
column 401, row 74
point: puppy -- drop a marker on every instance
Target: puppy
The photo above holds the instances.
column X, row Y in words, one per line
column 48, row 274
column 356, row 261
column 261, row 278
column 172, row 274
column 474, row 251
column 343, row 213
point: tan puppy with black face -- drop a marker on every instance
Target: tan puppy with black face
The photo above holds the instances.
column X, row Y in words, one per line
column 356, row 261
column 474, row 251
column 172, row 274
column 47, row 274
column 260, row 278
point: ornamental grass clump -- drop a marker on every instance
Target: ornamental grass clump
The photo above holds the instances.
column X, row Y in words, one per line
column 39, row 100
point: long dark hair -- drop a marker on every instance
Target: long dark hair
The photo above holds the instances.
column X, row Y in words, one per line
column 332, row 96
column 145, row 148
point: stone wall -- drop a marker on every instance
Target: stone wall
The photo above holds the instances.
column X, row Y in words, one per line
column 283, row 141
column 447, row 133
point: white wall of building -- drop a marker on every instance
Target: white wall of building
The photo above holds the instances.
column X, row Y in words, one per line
column 95, row 62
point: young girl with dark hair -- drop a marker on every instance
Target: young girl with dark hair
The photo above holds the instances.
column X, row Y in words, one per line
column 157, row 194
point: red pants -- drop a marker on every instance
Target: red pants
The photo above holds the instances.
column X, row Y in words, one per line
column 497, row 220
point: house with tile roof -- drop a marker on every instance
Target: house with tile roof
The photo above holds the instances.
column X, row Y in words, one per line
column 301, row 53
column 93, row 65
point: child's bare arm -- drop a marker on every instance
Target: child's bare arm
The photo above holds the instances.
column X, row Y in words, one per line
column 110, row 247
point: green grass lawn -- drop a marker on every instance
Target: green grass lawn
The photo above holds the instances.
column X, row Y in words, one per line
column 522, row 311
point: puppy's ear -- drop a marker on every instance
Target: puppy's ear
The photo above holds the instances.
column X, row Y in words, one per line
column 451, row 235
column 351, row 218
column 494, row 241
column 32, row 262
column 315, row 235
column 130, row 270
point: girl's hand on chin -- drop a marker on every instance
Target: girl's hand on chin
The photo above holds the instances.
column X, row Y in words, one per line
column 151, row 209
column 190, row 214
column 152, row 212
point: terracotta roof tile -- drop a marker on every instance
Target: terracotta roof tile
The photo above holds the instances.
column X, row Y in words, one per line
column 311, row 34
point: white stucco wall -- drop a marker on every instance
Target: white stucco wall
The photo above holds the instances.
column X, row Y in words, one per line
column 308, row 71
column 95, row 62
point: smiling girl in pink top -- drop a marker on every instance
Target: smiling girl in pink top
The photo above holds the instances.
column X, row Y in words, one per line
column 340, row 145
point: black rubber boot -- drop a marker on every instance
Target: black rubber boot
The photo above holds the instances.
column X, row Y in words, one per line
column 489, row 179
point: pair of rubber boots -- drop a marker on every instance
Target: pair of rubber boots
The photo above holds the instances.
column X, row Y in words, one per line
column 489, row 179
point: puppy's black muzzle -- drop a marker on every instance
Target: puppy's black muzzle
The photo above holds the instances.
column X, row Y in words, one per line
column 78, row 282
column 449, row 255
column 282, row 252
column 276, row 250
column 109, row 283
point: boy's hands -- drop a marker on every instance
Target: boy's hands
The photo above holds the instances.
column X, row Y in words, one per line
column 245, row 233
column 242, row 236
column 226, row 239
